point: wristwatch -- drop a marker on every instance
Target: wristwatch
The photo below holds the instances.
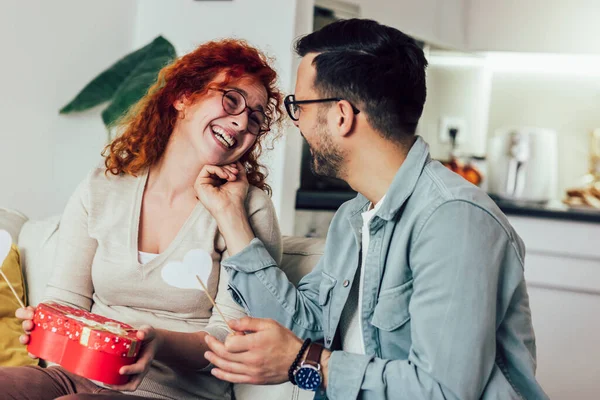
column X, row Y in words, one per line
column 308, row 376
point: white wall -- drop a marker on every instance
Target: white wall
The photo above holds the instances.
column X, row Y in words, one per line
column 50, row 50
column 267, row 24
column 56, row 47
column 456, row 92
column 293, row 141
column 534, row 25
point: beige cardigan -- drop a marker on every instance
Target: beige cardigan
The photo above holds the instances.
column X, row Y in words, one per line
column 97, row 268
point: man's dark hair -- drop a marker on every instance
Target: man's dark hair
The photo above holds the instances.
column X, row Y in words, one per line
column 378, row 69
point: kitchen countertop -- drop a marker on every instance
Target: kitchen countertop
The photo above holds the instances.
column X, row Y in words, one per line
column 331, row 201
column 551, row 210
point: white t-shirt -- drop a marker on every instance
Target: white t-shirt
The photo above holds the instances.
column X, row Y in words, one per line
column 350, row 323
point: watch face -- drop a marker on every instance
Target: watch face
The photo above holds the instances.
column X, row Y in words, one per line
column 308, row 378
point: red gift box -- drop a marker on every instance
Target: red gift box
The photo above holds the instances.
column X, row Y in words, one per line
column 84, row 343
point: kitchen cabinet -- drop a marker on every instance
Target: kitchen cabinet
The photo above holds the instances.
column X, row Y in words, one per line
column 438, row 22
column 533, row 26
column 562, row 269
column 537, row 26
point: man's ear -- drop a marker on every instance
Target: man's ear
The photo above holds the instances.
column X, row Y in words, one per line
column 345, row 117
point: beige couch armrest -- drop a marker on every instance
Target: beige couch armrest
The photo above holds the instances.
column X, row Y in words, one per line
column 37, row 244
column 12, row 221
column 300, row 256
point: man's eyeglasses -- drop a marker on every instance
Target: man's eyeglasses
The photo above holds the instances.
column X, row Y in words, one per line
column 291, row 105
column 234, row 103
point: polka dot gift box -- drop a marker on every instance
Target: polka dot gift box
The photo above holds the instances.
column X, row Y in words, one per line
column 84, row 343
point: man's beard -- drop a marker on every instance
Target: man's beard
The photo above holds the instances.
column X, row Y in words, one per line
column 326, row 161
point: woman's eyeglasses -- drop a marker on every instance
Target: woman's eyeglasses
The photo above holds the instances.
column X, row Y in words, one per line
column 291, row 105
column 234, row 103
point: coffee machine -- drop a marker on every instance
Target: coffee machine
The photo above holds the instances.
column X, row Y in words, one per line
column 523, row 164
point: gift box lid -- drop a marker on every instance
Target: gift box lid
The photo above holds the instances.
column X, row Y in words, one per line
column 91, row 330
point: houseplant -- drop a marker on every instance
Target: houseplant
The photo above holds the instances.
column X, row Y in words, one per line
column 124, row 82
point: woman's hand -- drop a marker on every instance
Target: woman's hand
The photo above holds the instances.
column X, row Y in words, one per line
column 222, row 188
column 223, row 192
column 26, row 314
column 151, row 342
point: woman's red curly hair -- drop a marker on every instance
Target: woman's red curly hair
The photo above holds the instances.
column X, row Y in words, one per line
column 146, row 128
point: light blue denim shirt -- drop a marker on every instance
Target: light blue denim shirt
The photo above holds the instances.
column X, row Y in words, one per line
column 445, row 312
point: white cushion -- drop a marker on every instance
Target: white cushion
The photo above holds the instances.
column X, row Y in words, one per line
column 37, row 244
column 12, row 221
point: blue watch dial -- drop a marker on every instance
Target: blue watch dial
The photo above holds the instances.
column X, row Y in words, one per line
column 308, row 377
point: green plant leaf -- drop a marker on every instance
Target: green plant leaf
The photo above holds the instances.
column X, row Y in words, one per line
column 135, row 86
column 125, row 82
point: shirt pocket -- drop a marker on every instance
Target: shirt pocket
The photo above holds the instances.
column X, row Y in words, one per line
column 391, row 310
column 325, row 299
column 391, row 317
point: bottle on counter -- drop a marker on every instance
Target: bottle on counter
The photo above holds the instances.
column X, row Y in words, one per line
column 471, row 170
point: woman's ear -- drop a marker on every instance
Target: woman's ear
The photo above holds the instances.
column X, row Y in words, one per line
column 181, row 103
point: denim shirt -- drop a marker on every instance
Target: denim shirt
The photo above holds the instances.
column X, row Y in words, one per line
column 445, row 311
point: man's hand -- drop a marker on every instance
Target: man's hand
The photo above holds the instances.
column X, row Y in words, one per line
column 222, row 187
column 262, row 356
column 151, row 341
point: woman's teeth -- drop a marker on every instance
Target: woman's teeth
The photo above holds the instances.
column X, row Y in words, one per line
column 223, row 137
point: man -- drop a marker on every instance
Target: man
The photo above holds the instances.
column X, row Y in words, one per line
column 420, row 293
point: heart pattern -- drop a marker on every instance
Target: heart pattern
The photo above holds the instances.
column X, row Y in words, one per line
column 5, row 245
column 183, row 274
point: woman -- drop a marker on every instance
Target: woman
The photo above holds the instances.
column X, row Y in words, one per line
column 126, row 229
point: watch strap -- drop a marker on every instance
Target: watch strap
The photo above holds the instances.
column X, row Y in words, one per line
column 313, row 357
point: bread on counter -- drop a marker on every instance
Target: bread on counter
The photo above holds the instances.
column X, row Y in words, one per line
column 581, row 197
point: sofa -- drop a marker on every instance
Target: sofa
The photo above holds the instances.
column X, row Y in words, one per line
column 37, row 239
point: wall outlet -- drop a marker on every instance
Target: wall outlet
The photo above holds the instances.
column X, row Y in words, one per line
column 447, row 123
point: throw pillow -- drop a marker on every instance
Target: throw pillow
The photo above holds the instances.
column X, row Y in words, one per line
column 12, row 352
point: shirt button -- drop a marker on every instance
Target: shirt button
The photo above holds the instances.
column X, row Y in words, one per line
column 346, row 283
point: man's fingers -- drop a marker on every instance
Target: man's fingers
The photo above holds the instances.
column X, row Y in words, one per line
column 226, row 365
column 249, row 324
column 218, row 348
column 239, row 343
column 233, row 378
column 221, row 351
